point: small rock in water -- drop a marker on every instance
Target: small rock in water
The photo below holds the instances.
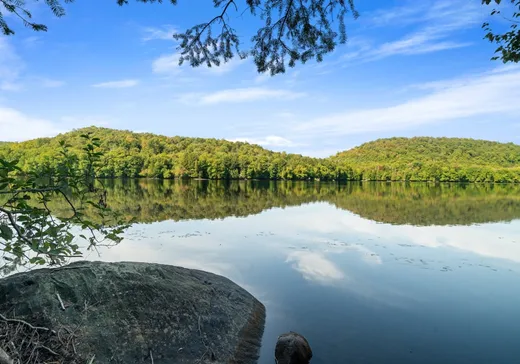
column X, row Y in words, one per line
column 292, row 348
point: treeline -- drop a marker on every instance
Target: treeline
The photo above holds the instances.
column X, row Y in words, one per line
column 128, row 154
column 433, row 159
column 420, row 204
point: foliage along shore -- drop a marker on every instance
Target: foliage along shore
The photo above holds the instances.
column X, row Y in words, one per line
column 128, row 154
column 420, row 204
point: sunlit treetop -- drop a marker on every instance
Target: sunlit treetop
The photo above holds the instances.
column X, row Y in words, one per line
column 292, row 31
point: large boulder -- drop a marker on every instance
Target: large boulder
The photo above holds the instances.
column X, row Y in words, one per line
column 129, row 313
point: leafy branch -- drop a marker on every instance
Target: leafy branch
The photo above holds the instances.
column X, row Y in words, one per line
column 19, row 9
column 294, row 31
column 303, row 30
column 508, row 43
column 30, row 232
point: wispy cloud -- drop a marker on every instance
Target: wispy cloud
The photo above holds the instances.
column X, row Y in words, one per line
column 49, row 83
column 268, row 141
column 32, row 41
column 159, row 33
column 11, row 66
column 433, row 27
column 117, row 84
column 426, row 41
column 410, row 12
column 490, row 94
column 238, row 95
column 12, row 77
column 168, row 64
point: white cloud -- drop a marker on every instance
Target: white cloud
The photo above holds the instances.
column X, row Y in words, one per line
column 487, row 240
column 240, row 95
column 494, row 93
column 50, row 83
column 367, row 255
column 117, row 84
column 10, row 67
column 32, row 41
column 285, row 115
column 417, row 12
column 435, row 22
column 315, row 267
column 419, row 43
column 262, row 77
column 168, row 64
column 269, row 141
column 17, row 126
column 159, row 33
column 226, row 67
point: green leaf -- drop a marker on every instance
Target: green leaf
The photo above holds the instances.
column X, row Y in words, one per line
column 6, row 232
column 37, row 260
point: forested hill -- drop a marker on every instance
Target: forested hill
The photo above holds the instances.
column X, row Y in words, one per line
column 434, row 159
column 128, row 154
column 452, row 151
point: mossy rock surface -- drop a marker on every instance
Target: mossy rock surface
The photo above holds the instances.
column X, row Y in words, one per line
column 129, row 312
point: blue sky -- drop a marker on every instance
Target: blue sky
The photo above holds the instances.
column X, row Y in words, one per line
column 410, row 68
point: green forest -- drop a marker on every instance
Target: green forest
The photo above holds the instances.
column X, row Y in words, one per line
column 131, row 155
column 420, row 204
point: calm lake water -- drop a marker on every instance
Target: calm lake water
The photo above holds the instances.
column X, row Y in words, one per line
column 369, row 273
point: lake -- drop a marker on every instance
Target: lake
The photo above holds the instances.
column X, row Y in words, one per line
column 367, row 272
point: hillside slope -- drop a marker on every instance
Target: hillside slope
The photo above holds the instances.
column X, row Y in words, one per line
column 437, row 159
column 453, row 151
column 128, row 154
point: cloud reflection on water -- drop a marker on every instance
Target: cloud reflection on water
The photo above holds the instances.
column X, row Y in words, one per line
column 315, row 266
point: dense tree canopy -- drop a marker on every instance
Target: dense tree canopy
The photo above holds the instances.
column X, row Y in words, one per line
column 292, row 31
column 421, row 204
column 128, row 154
column 49, row 186
column 435, row 159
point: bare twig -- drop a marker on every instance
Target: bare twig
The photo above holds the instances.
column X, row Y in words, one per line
column 208, row 24
column 31, row 190
column 5, row 358
column 202, row 340
column 27, row 324
column 61, row 302
column 284, row 20
column 15, row 226
column 151, row 356
column 48, row 349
